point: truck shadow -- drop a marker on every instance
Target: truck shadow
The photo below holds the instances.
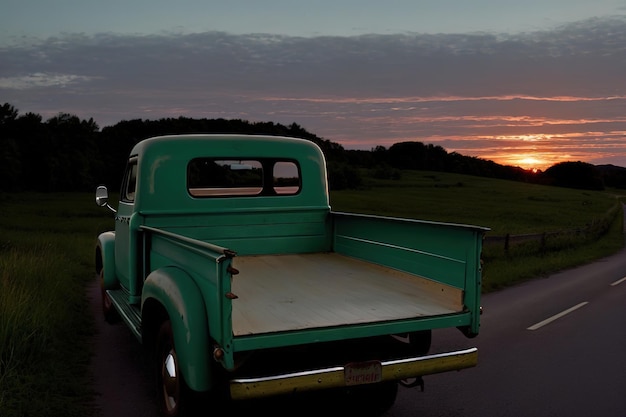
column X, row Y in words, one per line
column 366, row 401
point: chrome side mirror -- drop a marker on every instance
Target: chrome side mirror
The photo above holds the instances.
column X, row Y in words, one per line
column 102, row 198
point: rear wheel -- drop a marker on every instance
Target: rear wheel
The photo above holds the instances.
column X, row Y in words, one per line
column 172, row 390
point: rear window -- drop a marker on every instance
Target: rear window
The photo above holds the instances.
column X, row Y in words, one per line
column 224, row 177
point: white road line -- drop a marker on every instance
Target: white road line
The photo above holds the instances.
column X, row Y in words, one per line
column 556, row 316
column 619, row 281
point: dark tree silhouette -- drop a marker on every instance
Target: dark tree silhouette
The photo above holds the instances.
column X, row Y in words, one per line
column 66, row 153
column 574, row 175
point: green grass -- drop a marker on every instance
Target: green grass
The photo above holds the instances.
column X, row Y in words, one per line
column 46, row 255
column 504, row 206
column 47, row 248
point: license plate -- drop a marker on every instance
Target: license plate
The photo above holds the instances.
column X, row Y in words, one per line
column 359, row 373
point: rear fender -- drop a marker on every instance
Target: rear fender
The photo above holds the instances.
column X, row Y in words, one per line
column 178, row 294
column 105, row 258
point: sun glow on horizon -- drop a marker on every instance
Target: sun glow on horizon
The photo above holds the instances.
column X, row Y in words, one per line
column 531, row 163
column 525, row 160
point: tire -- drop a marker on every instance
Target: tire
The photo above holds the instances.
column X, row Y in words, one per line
column 172, row 392
column 109, row 312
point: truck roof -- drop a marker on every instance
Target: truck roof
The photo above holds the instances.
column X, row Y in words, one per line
column 236, row 144
column 163, row 163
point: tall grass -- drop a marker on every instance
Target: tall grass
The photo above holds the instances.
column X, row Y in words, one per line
column 29, row 321
column 46, row 251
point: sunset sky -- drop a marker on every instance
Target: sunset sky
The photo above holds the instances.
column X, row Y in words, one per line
column 528, row 83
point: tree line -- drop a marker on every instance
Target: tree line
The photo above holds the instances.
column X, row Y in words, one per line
column 66, row 153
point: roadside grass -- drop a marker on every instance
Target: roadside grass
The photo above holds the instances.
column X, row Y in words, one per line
column 47, row 249
column 530, row 261
column 46, row 255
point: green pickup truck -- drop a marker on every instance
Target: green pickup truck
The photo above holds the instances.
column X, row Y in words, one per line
column 229, row 264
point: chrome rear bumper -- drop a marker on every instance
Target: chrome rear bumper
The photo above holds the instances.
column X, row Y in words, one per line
column 395, row 370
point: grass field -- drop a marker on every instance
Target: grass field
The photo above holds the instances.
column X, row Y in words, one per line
column 46, row 252
column 46, row 262
column 503, row 206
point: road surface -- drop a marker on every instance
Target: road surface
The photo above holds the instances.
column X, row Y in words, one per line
column 550, row 347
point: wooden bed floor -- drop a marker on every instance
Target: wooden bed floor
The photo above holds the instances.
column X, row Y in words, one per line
column 291, row 292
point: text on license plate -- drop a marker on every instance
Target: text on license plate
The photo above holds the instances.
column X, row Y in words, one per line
column 359, row 373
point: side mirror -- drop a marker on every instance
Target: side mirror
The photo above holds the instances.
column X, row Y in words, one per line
column 102, row 198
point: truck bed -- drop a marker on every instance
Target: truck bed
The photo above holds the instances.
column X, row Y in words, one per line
column 291, row 292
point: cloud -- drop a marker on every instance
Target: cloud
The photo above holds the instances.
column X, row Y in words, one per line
column 359, row 66
column 361, row 91
column 38, row 79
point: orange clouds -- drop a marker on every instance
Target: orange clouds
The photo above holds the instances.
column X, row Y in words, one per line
column 525, row 131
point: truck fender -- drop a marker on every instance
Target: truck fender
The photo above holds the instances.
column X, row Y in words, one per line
column 105, row 258
column 176, row 292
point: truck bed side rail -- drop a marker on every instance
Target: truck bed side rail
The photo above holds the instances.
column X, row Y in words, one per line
column 443, row 252
column 214, row 248
column 207, row 264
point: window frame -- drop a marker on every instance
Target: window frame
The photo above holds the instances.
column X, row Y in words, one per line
column 267, row 187
column 129, row 182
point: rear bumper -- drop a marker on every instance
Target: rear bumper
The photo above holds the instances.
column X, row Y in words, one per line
column 395, row 370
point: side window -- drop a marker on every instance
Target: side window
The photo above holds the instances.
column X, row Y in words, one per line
column 223, row 177
column 129, row 182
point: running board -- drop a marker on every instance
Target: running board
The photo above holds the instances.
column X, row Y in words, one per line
column 131, row 314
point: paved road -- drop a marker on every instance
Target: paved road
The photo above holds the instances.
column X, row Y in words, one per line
column 121, row 376
column 550, row 347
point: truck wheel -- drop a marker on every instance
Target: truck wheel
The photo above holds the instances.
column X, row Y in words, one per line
column 172, row 390
column 109, row 312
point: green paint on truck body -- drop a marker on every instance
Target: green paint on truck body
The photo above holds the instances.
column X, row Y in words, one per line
column 179, row 231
